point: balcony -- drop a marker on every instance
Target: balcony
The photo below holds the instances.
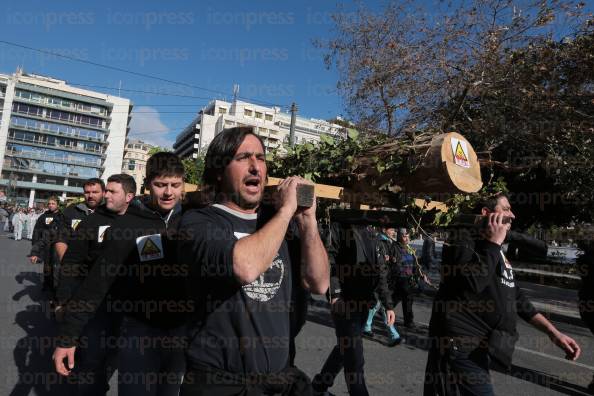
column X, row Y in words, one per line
column 74, row 135
column 43, row 186
column 40, row 171
column 72, row 149
column 40, row 117
column 50, row 158
column 45, row 103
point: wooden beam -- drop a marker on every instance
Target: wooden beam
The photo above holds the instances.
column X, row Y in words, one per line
column 340, row 194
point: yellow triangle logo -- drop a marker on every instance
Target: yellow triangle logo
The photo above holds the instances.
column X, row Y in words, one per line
column 150, row 248
column 460, row 154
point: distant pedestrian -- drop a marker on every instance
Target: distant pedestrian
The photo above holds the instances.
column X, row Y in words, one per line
column 408, row 273
column 428, row 254
column 33, row 216
column 386, row 246
column 18, row 222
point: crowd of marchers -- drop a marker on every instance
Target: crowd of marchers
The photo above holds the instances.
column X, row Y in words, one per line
column 207, row 298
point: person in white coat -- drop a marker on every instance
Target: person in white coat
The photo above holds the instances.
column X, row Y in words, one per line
column 32, row 217
column 18, row 221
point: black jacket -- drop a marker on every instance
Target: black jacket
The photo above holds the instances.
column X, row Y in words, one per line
column 84, row 248
column 478, row 293
column 358, row 270
column 137, row 274
column 45, row 234
column 73, row 215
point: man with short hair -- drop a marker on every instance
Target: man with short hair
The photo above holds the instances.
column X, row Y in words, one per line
column 45, row 235
column 243, row 277
column 473, row 321
column 85, row 246
column 93, row 191
column 138, row 276
column 359, row 277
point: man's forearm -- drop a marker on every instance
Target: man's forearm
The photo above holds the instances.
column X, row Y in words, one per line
column 61, row 248
column 316, row 272
column 253, row 254
column 543, row 324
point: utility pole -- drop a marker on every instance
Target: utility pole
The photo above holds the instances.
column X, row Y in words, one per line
column 292, row 129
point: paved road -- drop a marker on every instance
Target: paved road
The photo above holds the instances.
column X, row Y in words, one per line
column 26, row 343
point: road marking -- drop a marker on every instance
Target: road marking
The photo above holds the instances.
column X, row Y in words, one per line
column 545, row 355
column 542, row 354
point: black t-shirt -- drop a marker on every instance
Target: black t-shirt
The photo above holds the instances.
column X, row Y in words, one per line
column 239, row 329
column 478, row 292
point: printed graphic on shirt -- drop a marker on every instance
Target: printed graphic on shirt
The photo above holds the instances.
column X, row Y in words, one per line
column 267, row 285
column 48, row 220
column 101, row 233
column 150, row 247
column 74, row 223
column 508, row 273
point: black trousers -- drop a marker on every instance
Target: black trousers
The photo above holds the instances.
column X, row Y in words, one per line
column 407, row 301
column 151, row 360
column 347, row 354
column 96, row 359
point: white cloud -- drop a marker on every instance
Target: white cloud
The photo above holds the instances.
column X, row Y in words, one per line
column 147, row 126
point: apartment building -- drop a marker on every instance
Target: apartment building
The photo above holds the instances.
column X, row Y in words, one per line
column 53, row 136
column 270, row 123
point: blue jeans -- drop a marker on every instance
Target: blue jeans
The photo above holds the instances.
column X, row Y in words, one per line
column 151, row 360
column 368, row 325
column 457, row 371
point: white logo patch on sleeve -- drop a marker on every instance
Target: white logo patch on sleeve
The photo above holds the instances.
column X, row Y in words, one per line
column 101, row 233
column 150, row 247
column 74, row 223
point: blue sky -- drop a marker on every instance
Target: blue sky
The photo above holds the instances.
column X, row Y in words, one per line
column 264, row 46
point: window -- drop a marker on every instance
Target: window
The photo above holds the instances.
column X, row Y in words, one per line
column 258, row 115
column 222, row 110
column 268, row 117
column 247, row 112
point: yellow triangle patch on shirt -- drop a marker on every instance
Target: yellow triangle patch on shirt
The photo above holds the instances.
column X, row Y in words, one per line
column 150, row 247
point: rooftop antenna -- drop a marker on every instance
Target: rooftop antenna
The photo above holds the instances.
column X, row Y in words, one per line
column 235, row 91
column 120, row 89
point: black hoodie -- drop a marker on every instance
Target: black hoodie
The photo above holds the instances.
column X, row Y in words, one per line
column 73, row 215
column 137, row 275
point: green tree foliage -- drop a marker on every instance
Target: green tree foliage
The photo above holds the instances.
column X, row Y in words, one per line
column 158, row 149
column 194, row 168
column 515, row 78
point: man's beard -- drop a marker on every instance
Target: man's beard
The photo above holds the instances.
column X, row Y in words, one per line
column 238, row 200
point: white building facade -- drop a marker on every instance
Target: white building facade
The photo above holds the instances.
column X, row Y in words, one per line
column 136, row 154
column 270, row 124
column 54, row 136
